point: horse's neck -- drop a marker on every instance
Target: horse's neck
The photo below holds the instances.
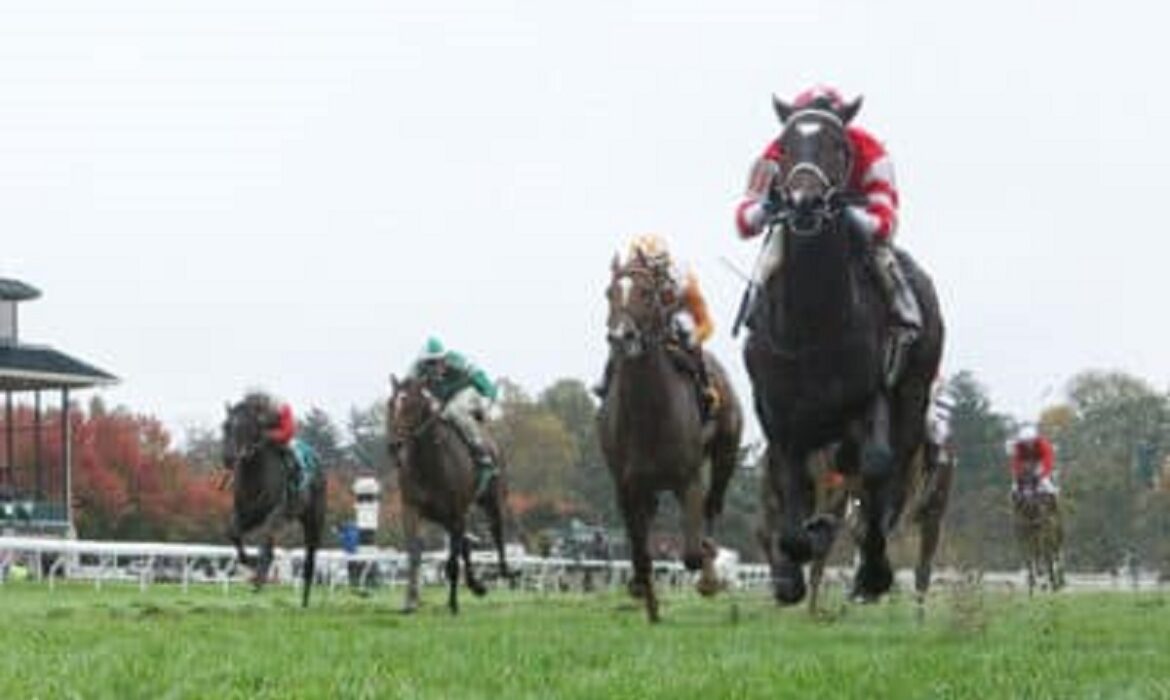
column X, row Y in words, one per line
column 425, row 463
column 818, row 287
column 263, row 473
column 643, row 383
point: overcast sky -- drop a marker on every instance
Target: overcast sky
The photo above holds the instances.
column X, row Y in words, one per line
column 217, row 195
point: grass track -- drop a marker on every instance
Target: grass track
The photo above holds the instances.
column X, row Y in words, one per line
column 120, row 643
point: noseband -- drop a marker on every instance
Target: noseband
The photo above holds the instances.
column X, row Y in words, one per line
column 805, row 219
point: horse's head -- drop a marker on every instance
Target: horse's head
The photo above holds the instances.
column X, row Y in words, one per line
column 243, row 429
column 641, row 305
column 816, row 158
column 412, row 408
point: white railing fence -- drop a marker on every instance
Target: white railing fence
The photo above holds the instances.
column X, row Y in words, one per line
column 145, row 563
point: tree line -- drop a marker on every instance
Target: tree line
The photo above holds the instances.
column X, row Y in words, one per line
column 1111, row 431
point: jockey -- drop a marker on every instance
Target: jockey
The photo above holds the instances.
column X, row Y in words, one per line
column 1032, row 460
column 876, row 218
column 464, row 391
column 692, row 318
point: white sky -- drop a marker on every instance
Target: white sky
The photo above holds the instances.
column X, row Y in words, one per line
column 221, row 194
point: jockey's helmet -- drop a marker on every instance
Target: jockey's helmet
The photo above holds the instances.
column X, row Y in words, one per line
column 432, row 350
column 822, row 96
column 652, row 247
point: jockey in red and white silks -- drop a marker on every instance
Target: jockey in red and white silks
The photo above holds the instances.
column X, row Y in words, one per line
column 873, row 176
column 876, row 217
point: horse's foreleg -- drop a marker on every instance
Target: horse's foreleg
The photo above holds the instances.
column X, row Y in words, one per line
column 724, row 458
column 794, row 496
column 495, row 512
column 698, row 553
column 637, row 510
column 454, row 550
column 880, row 504
column 410, row 525
column 235, row 535
column 930, row 515
column 312, row 523
column 468, row 572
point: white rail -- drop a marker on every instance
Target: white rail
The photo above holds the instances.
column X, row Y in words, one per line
column 145, row 563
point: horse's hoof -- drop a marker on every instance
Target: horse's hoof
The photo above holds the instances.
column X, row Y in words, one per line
column 693, row 561
column 637, row 589
column 478, row 589
column 709, row 587
column 796, row 546
column 873, row 580
column 652, row 612
column 788, row 584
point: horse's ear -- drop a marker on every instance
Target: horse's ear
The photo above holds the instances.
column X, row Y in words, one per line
column 782, row 108
column 849, row 111
column 615, row 265
column 393, row 383
column 641, row 255
column 227, row 406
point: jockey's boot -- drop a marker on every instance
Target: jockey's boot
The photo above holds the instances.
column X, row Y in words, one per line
column 485, row 468
column 708, row 395
column 904, row 308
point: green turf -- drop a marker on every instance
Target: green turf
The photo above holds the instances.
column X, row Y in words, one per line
column 120, row 643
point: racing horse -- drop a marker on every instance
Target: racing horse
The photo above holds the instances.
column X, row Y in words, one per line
column 437, row 482
column 1039, row 533
column 651, row 428
column 262, row 498
column 819, row 337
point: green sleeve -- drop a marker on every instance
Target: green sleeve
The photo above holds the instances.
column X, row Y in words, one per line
column 483, row 384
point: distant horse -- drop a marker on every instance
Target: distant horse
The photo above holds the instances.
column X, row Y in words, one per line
column 262, row 498
column 652, row 432
column 1040, row 535
column 832, row 498
column 437, row 481
column 816, row 355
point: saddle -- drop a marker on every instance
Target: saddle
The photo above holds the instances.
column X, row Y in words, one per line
column 302, row 466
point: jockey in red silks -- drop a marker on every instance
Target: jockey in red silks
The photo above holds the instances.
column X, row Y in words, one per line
column 282, row 426
column 1033, row 460
column 876, row 217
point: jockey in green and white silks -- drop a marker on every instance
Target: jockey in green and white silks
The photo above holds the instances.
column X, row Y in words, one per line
column 465, row 393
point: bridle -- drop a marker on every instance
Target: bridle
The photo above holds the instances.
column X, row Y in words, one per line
column 244, row 452
column 405, row 432
column 629, row 338
column 809, row 218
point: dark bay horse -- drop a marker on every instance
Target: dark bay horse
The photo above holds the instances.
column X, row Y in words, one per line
column 436, row 479
column 262, row 499
column 652, row 433
column 816, row 356
column 1040, row 535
